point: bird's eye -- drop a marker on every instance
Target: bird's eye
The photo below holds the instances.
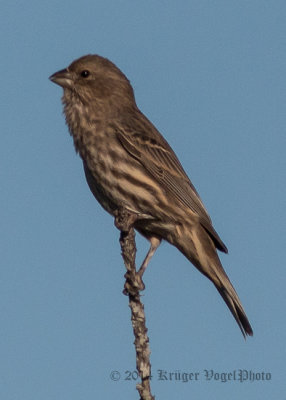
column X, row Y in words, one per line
column 84, row 73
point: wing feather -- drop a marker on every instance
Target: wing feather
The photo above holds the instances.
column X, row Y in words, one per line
column 142, row 141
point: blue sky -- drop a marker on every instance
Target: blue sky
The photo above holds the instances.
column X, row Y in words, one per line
column 211, row 77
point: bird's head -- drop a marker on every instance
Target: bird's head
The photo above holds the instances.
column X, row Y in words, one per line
column 94, row 78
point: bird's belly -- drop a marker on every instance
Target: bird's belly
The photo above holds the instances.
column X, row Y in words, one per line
column 117, row 180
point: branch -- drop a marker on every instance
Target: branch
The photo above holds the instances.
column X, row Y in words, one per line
column 124, row 221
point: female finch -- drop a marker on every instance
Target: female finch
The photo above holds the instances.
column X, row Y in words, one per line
column 128, row 164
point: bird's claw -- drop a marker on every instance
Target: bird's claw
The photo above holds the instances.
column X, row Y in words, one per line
column 133, row 285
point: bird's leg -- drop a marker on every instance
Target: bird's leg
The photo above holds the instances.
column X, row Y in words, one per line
column 155, row 243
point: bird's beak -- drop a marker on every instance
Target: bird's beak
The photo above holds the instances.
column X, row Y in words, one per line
column 62, row 78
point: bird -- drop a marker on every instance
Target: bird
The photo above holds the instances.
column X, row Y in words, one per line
column 128, row 164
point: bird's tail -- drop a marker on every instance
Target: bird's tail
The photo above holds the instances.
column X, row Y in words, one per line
column 232, row 301
column 198, row 247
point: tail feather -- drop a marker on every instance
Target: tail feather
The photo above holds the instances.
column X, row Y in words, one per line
column 195, row 243
column 236, row 309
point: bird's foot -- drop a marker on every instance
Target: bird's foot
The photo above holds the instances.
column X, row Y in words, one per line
column 133, row 284
column 124, row 219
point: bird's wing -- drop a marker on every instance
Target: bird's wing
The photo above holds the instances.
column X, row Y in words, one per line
column 142, row 140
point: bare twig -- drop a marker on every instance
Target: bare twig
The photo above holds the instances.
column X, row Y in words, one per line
column 124, row 221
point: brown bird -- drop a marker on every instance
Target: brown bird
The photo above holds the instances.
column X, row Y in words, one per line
column 128, row 164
